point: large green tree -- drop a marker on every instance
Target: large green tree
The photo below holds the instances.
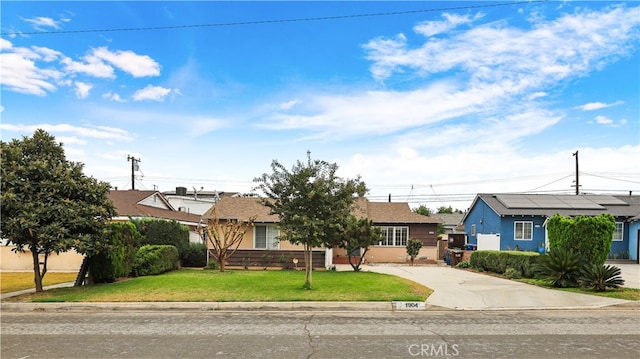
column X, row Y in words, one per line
column 48, row 204
column 313, row 204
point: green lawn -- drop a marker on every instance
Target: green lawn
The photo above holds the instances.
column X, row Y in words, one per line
column 195, row 285
column 15, row 281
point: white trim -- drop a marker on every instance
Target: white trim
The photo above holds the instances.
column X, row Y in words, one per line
column 621, row 232
column 523, row 231
column 267, row 232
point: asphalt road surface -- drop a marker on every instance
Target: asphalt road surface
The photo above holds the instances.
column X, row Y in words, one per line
column 608, row 333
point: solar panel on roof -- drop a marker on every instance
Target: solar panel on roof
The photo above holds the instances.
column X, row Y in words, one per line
column 547, row 201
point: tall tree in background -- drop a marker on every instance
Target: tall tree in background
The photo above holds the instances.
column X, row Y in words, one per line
column 48, row 204
column 313, row 204
column 423, row 210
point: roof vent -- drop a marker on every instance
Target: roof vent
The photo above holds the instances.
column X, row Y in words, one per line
column 181, row 191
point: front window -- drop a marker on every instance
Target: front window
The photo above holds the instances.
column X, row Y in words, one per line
column 265, row 237
column 523, row 231
column 394, row 236
column 617, row 234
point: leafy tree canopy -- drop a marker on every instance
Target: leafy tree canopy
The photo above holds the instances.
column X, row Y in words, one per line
column 48, row 204
column 312, row 202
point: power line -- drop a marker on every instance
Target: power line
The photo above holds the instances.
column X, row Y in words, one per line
column 273, row 21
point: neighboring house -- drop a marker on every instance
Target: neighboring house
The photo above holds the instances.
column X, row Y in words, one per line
column 397, row 221
column 195, row 202
column 451, row 222
column 504, row 221
column 135, row 204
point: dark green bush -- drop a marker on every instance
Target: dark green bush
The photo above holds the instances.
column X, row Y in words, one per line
column 589, row 236
column 195, row 255
column 561, row 267
column 155, row 259
column 117, row 260
column 499, row 261
column 158, row 232
column 463, row 264
column 600, row 277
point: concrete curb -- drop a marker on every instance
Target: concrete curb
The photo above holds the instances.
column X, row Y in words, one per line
column 199, row 306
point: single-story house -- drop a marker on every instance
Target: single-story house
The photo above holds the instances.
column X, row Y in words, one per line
column 504, row 221
column 136, row 204
column 397, row 221
column 129, row 204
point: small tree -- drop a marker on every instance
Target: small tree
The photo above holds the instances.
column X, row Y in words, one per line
column 225, row 236
column 48, row 204
column 312, row 202
column 413, row 248
column 359, row 234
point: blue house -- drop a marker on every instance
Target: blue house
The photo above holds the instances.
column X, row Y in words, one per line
column 510, row 221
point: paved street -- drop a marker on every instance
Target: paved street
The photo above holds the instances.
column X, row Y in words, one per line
column 610, row 333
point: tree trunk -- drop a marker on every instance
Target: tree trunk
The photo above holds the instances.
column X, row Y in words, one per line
column 82, row 273
column 37, row 276
column 308, row 280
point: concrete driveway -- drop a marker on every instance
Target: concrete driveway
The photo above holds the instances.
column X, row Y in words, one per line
column 460, row 289
column 630, row 274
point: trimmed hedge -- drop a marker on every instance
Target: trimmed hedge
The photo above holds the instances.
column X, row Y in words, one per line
column 117, row 260
column 155, row 259
column 500, row 261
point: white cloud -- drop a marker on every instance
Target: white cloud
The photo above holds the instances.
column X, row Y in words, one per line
column 129, row 62
column 606, row 121
column 20, row 74
column 536, row 95
column 154, row 93
column 571, row 45
column 100, row 132
column 451, row 21
column 113, row 97
column 91, row 66
column 82, row 89
column 289, row 104
column 42, row 23
column 470, row 83
column 598, row 105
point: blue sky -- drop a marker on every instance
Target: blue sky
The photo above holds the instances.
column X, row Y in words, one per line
column 431, row 102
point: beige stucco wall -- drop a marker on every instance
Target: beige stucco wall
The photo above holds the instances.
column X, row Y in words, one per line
column 380, row 254
column 64, row 262
column 247, row 243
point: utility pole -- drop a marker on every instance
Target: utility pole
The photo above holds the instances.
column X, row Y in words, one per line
column 134, row 167
column 577, row 176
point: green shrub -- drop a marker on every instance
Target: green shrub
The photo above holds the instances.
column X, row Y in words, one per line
column 158, row 232
column 499, row 261
column 512, row 273
column 463, row 264
column 155, row 259
column 561, row 267
column 195, row 255
column 265, row 259
column 212, row 264
column 117, row 260
column 589, row 236
column 600, row 277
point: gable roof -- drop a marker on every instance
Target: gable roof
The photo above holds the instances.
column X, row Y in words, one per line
column 567, row 205
column 133, row 203
column 242, row 208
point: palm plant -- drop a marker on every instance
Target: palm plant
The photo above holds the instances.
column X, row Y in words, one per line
column 561, row 267
column 599, row 278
